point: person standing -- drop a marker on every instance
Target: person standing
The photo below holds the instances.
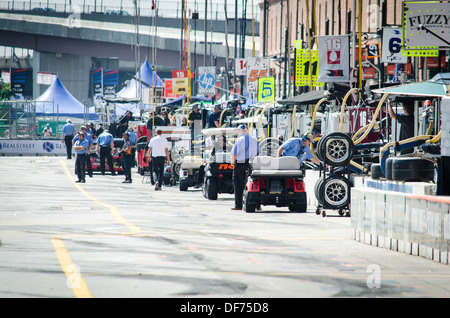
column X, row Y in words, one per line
column 67, row 136
column 81, row 147
column 127, row 158
column 245, row 148
column 158, row 152
column 90, row 140
column 195, row 124
column 105, row 148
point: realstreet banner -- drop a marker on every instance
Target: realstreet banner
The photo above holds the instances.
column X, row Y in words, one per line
column 334, row 58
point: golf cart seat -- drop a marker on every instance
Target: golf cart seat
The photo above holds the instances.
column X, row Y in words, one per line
column 191, row 162
column 266, row 166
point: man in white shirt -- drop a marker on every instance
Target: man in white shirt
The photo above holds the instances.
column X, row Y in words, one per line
column 158, row 151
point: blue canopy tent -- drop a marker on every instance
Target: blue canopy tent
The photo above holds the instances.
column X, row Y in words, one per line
column 57, row 100
column 128, row 95
column 179, row 100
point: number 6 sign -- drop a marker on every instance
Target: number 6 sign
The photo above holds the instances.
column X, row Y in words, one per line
column 391, row 51
column 256, row 67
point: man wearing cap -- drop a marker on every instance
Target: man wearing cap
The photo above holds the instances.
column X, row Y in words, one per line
column 245, row 148
column 81, row 147
column 105, row 148
column 127, row 158
column 213, row 118
column 67, row 136
column 298, row 147
column 90, row 139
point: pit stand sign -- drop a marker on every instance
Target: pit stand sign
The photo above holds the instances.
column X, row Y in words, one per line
column 391, row 50
column 334, row 58
column 256, row 67
column 207, row 81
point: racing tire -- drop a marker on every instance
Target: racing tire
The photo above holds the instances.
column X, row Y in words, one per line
column 375, row 171
column 335, row 149
column 412, row 170
column 336, row 190
column 269, row 147
column 388, row 169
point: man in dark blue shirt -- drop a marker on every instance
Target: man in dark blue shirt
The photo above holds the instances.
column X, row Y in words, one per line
column 406, row 121
column 213, row 117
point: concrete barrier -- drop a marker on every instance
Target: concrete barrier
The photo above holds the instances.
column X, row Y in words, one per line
column 403, row 218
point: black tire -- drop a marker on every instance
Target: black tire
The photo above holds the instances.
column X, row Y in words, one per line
column 336, row 149
column 375, row 171
column 298, row 208
column 412, row 170
column 211, row 188
column 336, row 190
column 183, row 187
column 388, row 168
column 249, row 208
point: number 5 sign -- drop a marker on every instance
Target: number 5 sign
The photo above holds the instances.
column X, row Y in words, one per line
column 391, row 50
column 256, row 67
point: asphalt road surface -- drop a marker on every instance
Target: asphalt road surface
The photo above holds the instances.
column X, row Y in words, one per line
column 105, row 239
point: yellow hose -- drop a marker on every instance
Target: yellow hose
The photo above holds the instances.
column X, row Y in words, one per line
column 261, row 117
column 250, row 128
column 221, row 115
column 313, row 115
column 344, row 104
column 372, row 123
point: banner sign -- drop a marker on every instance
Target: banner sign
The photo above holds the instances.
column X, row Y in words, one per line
column 426, row 25
column 32, row 147
column 168, row 89
column 207, row 80
column 18, row 79
column 240, row 66
column 334, row 58
column 303, row 67
column 180, row 82
column 266, row 89
column 256, row 67
column 110, row 81
column 391, row 49
column 45, row 78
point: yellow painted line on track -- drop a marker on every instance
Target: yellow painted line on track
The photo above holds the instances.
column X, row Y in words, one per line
column 74, row 278
column 114, row 210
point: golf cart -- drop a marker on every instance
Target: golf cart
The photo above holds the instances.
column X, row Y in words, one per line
column 218, row 170
column 275, row 181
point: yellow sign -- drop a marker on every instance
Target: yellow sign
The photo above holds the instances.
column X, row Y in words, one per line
column 180, row 86
column 266, row 89
column 303, row 67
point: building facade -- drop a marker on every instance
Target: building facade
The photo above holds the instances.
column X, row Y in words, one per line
column 285, row 21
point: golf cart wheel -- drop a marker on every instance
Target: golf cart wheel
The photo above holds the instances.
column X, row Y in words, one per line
column 336, row 189
column 249, row 208
column 298, row 208
column 336, row 149
column 211, row 189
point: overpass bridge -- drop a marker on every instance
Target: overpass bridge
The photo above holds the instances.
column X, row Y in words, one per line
column 70, row 43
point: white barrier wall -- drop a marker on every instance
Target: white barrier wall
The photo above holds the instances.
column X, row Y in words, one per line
column 51, row 147
column 414, row 223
